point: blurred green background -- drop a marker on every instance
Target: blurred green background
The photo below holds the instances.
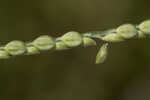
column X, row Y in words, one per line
column 72, row 74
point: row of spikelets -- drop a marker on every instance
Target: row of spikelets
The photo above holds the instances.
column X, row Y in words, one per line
column 75, row 39
column 45, row 43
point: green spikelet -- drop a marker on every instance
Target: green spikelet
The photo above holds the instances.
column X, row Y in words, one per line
column 102, row 54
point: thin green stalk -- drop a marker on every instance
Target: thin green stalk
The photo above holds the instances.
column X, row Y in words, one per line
column 75, row 39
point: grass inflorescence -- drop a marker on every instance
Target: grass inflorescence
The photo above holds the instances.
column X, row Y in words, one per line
column 75, row 39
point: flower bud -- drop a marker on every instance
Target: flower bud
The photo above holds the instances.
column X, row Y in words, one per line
column 127, row 31
column 44, row 42
column 145, row 27
column 60, row 45
column 102, row 54
column 15, row 47
column 72, row 39
column 4, row 54
column 32, row 50
column 88, row 41
column 112, row 38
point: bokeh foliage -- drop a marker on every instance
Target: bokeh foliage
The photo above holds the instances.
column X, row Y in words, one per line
column 72, row 75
